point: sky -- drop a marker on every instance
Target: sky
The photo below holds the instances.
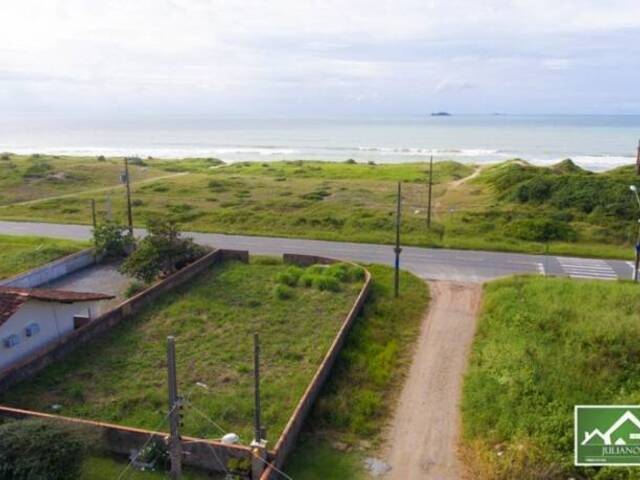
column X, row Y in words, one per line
column 319, row 58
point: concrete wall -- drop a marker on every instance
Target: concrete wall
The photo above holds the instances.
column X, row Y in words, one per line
column 204, row 454
column 289, row 436
column 127, row 309
column 51, row 271
column 54, row 319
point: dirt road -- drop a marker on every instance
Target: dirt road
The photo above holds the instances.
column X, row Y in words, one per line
column 422, row 441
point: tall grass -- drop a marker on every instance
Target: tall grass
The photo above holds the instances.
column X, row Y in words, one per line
column 544, row 345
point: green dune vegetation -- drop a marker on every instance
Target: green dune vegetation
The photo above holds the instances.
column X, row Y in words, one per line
column 544, row 345
column 512, row 206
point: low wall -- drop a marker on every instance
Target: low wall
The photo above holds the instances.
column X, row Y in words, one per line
column 205, row 454
column 52, row 271
column 39, row 360
column 287, row 440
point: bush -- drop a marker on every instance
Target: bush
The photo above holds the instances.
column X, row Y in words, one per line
column 37, row 170
column 134, row 288
column 326, row 283
column 290, row 276
column 283, row 292
column 5, row 156
column 307, row 279
column 101, row 158
column 540, row 230
column 162, row 252
column 34, row 449
column 136, row 161
column 111, row 239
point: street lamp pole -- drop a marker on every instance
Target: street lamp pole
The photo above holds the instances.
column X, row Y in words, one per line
column 634, row 189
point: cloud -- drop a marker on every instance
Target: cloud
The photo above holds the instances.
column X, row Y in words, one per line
column 300, row 56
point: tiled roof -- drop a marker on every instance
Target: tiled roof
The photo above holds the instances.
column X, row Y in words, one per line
column 11, row 299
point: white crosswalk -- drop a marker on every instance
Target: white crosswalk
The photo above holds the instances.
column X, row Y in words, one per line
column 587, row 268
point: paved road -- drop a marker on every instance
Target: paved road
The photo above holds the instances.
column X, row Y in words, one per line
column 428, row 263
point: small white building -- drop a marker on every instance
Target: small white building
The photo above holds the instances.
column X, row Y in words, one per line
column 34, row 318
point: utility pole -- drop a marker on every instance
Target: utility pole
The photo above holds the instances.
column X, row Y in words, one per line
column 125, row 178
column 259, row 445
column 397, row 249
column 175, row 446
column 638, row 160
column 256, row 382
column 430, row 188
column 93, row 213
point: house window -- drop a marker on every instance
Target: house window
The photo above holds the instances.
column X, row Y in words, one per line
column 11, row 341
column 32, row 329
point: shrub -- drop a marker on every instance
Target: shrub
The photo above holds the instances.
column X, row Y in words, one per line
column 283, row 292
column 136, row 161
column 326, row 283
column 37, row 170
column 134, row 288
column 101, row 158
column 34, row 449
column 5, row 156
column 162, row 252
column 540, row 230
column 290, row 276
column 307, row 279
column 340, row 271
column 350, row 161
column 156, row 454
column 111, row 239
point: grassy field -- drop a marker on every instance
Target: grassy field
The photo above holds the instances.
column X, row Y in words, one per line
column 358, row 399
column 544, row 345
column 19, row 254
column 512, row 206
column 28, row 178
column 121, row 377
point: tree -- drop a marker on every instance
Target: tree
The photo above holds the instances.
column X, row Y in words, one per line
column 111, row 239
column 162, row 252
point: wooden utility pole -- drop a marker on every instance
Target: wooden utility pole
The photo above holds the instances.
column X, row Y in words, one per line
column 256, row 382
column 397, row 249
column 638, row 160
column 128, row 186
column 175, row 446
column 430, row 188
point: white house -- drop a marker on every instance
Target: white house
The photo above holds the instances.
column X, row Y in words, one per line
column 32, row 318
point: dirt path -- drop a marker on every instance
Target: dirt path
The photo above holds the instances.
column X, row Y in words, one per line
column 459, row 182
column 422, row 441
column 94, row 190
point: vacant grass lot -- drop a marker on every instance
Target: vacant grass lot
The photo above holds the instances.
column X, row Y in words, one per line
column 121, row 377
column 19, row 254
column 544, row 345
column 358, row 400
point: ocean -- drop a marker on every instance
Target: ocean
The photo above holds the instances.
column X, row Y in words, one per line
column 595, row 142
